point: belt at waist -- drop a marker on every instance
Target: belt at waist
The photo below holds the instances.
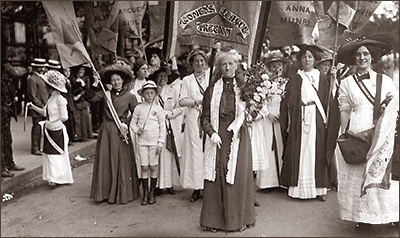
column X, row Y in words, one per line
column 308, row 104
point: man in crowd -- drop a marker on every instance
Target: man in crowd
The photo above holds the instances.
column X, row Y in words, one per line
column 8, row 110
column 37, row 94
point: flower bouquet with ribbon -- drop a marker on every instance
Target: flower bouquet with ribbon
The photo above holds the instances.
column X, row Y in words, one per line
column 259, row 88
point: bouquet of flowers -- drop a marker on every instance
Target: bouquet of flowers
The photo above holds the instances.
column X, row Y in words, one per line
column 259, row 88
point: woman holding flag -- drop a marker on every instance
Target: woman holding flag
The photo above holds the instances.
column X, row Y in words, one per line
column 114, row 173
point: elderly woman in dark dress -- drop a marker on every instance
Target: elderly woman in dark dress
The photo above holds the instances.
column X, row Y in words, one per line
column 114, row 174
column 228, row 198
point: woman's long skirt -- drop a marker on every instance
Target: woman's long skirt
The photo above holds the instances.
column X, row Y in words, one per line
column 378, row 206
column 192, row 153
column 230, row 207
column 306, row 188
column 114, row 173
column 57, row 168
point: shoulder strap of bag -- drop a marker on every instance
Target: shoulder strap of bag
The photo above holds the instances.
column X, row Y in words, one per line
column 375, row 101
column 361, row 85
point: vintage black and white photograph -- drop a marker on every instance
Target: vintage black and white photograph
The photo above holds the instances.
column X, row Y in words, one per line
column 199, row 118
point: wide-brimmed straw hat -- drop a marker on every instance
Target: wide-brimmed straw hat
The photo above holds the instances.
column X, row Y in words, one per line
column 314, row 49
column 148, row 84
column 274, row 56
column 39, row 62
column 56, row 80
column 380, row 43
column 120, row 68
column 53, row 64
column 325, row 56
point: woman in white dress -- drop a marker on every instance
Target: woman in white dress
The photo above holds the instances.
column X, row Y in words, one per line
column 191, row 97
column 168, row 88
column 56, row 163
column 270, row 151
column 303, row 126
column 378, row 205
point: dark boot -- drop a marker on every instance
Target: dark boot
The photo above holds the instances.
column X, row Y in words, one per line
column 152, row 197
column 145, row 185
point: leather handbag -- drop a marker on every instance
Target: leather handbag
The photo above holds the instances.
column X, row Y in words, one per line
column 355, row 146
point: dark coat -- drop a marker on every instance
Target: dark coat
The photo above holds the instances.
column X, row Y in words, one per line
column 37, row 93
column 8, row 105
column 291, row 108
column 77, row 89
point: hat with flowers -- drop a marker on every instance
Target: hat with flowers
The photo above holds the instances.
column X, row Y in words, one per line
column 56, row 80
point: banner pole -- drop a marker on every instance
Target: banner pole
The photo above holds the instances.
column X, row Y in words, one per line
column 333, row 79
column 109, row 102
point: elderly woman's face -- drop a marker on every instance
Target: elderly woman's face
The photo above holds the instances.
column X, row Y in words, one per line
column 198, row 64
column 363, row 58
column 228, row 66
column 143, row 72
column 117, row 82
column 307, row 61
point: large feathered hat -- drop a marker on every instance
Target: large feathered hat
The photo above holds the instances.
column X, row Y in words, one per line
column 378, row 46
column 120, row 68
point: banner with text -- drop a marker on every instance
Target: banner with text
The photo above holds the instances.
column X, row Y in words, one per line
column 62, row 20
column 130, row 14
column 291, row 22
column 102, row 27
column 207, row 22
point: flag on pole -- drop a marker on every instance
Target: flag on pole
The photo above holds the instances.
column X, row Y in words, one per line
column 207, row 22
column 157, row 20
column 62, row 19
column 130, row 14
column 353, row 15
column 102, row 27
column 291, row 22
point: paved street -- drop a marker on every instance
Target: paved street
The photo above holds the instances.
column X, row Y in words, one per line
column 38, row 210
